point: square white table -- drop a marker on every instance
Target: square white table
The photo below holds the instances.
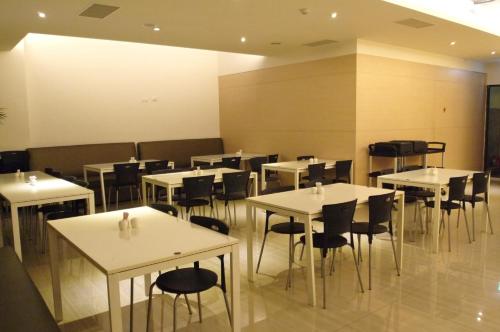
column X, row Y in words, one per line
column 296, row 167
column 48, row 189
column 161, row 242
column 217, row 158
column 425, row 178
column 108, row 168
column 170, row 181
column 304, row 206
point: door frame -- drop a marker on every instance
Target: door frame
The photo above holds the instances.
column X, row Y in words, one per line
column 485, row 154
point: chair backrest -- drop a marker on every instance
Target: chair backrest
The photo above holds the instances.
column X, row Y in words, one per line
column 166, row 208
column 272, row 158
column 126, row 174
column 304, row 157
column 198, row 186
column 457, row 188
column 316, row 171
column 154, row 166
column 236, row 182
column 338, row 219
column 256, row 163
column 480, row 183
column 53, row 172
column 343, row 170
column 14, row 160
column 231, row 162
column 210, row 223
column 380, row 208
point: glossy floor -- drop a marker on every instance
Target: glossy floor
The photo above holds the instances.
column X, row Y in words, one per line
column 450, row 291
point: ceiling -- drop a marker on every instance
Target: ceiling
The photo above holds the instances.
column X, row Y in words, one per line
column 219, row 25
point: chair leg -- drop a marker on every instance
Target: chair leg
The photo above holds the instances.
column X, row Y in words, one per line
column 289, row 277
column 357, row 270
column 148, row 316
column 302, row 251
column 421, row 221
column 466, row 224
column 473, row 225
column 332, row 266
column 360, row 259
column 175, row 311
column 369, row 266
column 131, row 304
column 199, row 306
column 415, row 222
column 489, row 217
column 117, row 196
column 441, row 222
column 261, row 251
column 449, row 234
column 395, row 256
column 227, row 306
column 324, row 278
column 234, row 215
column 187, row 303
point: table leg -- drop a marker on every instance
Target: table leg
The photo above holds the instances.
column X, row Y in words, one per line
column 54, row 271
column 115, row 310
column 296, row 180
column 153, row 192
column 144, row 193
column 1, row 224
column 169, row 194
column 311, row 284
column 192, row 162
column 103, row 191
column 235, row 288
column 484, row 214
column 263, row 177
column 400, row 230
column 249, row 243
column 15, row 230
column 436, row 214
column 91, row 204
column 352, row 173
column 85, row 174
column 147, row 283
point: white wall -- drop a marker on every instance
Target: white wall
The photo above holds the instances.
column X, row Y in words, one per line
column 83, row 91
column 493, row 72
column 14, row 133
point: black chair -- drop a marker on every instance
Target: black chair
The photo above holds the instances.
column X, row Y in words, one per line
column 231, row 162
column 197, row 192
column 158, row 165
column 343, row 171
column 338, row 220
column 379, row 211
column 126, row 175
column 455, row 199
column 192, row 280
column 480, row 183
column 235, row 188
column 165, row 208
column 418, row 196
column 256, row 166
column 290, row 228
column 272, row 158
column 299, row 158
column 12, row 161
column 316, row 173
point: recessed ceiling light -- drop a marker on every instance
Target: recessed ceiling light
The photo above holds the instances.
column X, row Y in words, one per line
column 493, row 52
column 333, row 15
column 42, row 15
column 453, row 43
column 243, row 39
column 156, row 29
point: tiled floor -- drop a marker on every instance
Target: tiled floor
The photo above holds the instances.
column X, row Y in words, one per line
column 457, row 291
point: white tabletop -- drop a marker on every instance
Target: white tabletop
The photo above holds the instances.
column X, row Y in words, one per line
column 160, row 237
column 108, row 167
column 439, row 176
column 243, row 156
column 298, row 165
column 18, row 190
column 176, row 178
column 304, row 201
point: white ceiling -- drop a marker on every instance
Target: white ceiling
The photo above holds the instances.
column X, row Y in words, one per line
column 219, row 24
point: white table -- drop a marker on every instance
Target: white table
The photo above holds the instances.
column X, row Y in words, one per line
column 296, row 167
column 217, row 158
column 170, row 181
column 161, row 242
column 48, row 189
column 425, row 178
column 108, row 168
column 304, row 206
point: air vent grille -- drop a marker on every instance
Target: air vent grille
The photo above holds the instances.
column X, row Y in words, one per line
column 414, row 23
column 98, row 11
column 320, row 43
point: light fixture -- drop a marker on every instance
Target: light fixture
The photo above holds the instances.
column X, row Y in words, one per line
column 478, row 319
column 42, row 15
column 493, row 52
column 333, row 15
column 243, row 39
column 156, row 29
column 480, row 313
column 453, row 43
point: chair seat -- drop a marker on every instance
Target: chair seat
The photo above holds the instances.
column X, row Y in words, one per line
column 287, row 228
column 362, row 228
column 419, row 193
column 194, row 202
column 231, row 196
column 470, row 198
column 334, row 242
column 186, row 281
column 445, row 205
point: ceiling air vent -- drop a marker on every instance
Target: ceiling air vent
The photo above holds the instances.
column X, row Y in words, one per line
column 98, row 11
column 414, row 23
column 320, row 43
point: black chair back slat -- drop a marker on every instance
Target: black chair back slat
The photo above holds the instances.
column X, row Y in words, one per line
column 198, row 186
column 380, row 208
column 480, row 183
column 236, row 182
column 338, row 220
column 457, row 188
column 231, row 162
column 256, row 163
column 126, row 174
column 316, row 172
column 343, row 170
column 165, row 208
